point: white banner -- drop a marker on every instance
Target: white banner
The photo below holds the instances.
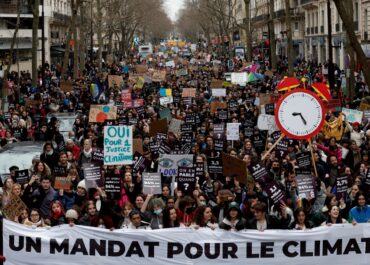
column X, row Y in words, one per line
column 232, row 131
column 118, row 145
column 80, row 245
column 239, row 78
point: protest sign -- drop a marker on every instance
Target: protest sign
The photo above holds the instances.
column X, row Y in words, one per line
column 126, row 98
column 158, row 126
column 115, row 80
column 14, row 208
column 166, row 100
column 342, row 186
column 199, row 172
column 186, row 179
column 353, row 115
column 93, row 176
column 270, row 109
column 66, row 86
column 219, row 92
column 22, row 176
column 188, row 92
column 217, row 105
column 364, row 106
column 234, row 166
column 304, row 160
column 218, row 131
column 60, row 171
column 152, row 183
column 239, row 78
column 222, row 115
column 216, row 83
column 138, row 145
column 267, row 123
column 232, row 131
column 112, row 183
column 233, row 105
column 259, row 173
column 164, row 148
column 170, row 64
column 186, row 128
column 367, row 115
column 305, row 185
column 62, row 183
column 100, row 113
column 118, row 148
column 97, row 156
column 181, row 72
column 338, row 244
column 275, row 193
column 159, row 76
column 175, row 126
column 169, row 163
column 165, row 114
column 281, row 149
column 141, row 68
column 214, row 166
column 333, row 105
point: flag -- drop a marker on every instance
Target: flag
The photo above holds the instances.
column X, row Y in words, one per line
column 165, row 92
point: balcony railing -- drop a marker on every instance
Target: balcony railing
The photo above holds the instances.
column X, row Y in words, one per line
column 12, row 8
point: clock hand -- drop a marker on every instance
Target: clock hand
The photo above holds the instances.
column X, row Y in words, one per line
column 303, row 119
column 296, row 113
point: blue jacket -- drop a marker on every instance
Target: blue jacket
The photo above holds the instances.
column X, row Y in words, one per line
column 360, row 214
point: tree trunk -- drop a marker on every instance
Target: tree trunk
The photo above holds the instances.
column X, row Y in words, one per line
column 69, row 37
column 290, row 51
column 352, row 65
column 82, row 42
column 99, row 31
column 350, row 29
column 248, row 30
column 14, row 39
column 272, row 36
column 35, row 40
column 75, row 41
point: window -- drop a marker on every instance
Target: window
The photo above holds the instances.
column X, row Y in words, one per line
column 322, row 17
column 296, row 26
column 356, row 11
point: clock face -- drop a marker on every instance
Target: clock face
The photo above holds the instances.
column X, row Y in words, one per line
column 300, row 114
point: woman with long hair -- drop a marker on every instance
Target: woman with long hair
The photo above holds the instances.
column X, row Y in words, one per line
column 301, row 221
column 34, row 219
column 203, row 217
column 361, row 212
column 233, row 219
column 334, row 216
column 170, row 219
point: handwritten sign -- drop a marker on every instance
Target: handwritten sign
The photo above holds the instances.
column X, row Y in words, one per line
column 353, row 115
column 118, row 147
column 62, row 183
column 100, row 113
column 115, row 80
column 232, row 131
column 188, row 92
column 267, row 123
column 219, row 92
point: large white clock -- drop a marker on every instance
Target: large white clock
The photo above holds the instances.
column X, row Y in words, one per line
column 300, row 114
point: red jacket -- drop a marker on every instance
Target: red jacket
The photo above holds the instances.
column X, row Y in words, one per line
column 75, row 150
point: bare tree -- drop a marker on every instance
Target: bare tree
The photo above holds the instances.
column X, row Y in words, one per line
column 247, row 4
column 99, row 33
column 34, row 4
column 348, row 23
column 272, row 35
column 290, row 52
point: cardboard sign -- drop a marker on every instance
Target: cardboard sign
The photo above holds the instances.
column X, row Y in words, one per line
column 216, row 83
column 169, row 163
column 138, row 145
column 62, row 183
column 181, row 72
column 66, row 86
column 100, row 113
column 219, row 92
column 364, row 106
column 152, row 183
column 186, row 179
column 141, row 68
column 188, row 92
column 93, row 176
column 217, row 105
column 22, row 176
column 118, row 149
column 232, row 131
column 267, row 123
column 305, row 185
column 112, row 183
column 353, row 115
column 233, row 165
column 14, row 208
column 159, row 126
column 115, row 80
column 159, row 76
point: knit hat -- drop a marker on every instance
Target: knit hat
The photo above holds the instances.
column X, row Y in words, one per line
column 82, row 184
column 71, row 214
column 233, row 205
column 356, row 124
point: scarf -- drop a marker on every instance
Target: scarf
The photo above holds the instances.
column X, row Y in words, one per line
column 87, row 153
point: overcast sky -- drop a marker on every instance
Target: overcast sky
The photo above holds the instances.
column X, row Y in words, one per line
column 172, row 7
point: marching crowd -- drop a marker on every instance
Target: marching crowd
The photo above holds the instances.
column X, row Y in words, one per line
column 218, row 201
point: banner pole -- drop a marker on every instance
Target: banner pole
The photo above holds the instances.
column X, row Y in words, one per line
column 273, row 146
column 312, row 157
